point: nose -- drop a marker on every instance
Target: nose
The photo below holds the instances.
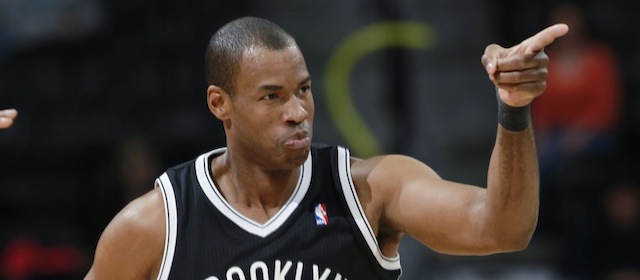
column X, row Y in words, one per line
column 294, row 111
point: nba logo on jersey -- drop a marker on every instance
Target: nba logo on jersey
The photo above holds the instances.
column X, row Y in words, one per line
column 321, row 215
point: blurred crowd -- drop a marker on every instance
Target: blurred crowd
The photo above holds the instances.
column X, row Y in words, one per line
column 110, row 93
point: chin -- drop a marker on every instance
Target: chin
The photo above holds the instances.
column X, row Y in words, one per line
column 299, row 157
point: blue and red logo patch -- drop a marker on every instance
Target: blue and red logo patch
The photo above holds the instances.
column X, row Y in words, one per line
column 321, row 214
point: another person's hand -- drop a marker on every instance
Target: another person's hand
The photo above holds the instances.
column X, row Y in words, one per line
column 520, row 72
column 7, row 116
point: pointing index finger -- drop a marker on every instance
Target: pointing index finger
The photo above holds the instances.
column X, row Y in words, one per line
column 545, row 37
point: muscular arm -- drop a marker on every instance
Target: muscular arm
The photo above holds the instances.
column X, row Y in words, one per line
column 450, row 217
column 402, row 195
column 132, row 245
column 511, row 204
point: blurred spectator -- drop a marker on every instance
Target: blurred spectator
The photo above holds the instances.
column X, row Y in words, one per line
column 27, row 258
column 576, row 121
column 133, row 166
column 579, row 112
column 138, row 165
column 26, row 24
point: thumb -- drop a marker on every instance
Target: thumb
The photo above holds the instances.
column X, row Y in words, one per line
column 490, row 58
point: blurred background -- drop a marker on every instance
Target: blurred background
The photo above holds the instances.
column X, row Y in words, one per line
column 110, row 93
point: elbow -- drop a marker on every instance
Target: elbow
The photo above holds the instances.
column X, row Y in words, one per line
column 507, row 240
column 513, row 244
column 503, row 245
column 509, row 233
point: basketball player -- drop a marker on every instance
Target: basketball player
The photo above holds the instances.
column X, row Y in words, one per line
column 272, row 205
column 7, row 116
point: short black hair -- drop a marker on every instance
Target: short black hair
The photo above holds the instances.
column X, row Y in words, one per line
column 227, row 45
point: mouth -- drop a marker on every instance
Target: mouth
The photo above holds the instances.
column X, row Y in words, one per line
column 300, row 140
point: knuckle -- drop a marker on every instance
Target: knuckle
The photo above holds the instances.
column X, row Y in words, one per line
column 516, row 76
column 542, row 86
column 544, row 74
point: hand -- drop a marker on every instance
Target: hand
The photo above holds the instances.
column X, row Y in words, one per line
column 520, row 72
column 7, row 116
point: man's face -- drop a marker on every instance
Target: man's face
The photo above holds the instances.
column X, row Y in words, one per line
column 272, row 109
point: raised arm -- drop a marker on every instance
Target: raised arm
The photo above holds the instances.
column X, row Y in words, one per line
column 402, row 195
column 512, row 199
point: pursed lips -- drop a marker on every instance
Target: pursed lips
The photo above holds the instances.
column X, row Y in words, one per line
column 299, row 140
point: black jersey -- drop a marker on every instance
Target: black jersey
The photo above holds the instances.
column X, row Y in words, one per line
column 321, row 232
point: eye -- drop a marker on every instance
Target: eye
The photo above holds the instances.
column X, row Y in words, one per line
column 304, row 90
column 271, row 96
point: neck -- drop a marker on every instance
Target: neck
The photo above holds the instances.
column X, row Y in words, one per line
column 248, row 186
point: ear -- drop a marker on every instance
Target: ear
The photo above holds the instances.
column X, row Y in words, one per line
column 218, row 101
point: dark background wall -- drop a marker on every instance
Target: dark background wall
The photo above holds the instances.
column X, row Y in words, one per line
column 110, row 93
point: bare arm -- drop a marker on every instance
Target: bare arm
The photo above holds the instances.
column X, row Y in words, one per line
column 402, row 195
column 511, row 205
column 132, row 245
column 510, row 211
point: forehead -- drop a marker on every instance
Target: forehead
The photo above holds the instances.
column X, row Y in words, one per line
column 260, row 65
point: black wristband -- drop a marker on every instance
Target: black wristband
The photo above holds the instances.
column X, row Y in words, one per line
column 513, row 118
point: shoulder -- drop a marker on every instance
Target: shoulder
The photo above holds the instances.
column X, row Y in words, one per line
column 601, row 54
column 144, row 215
column 389, row 168
column 132, row 244
column 380, row 182
column 381, row 179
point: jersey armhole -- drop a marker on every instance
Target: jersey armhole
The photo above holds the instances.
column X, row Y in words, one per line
column 357, row 212
column 171, row 224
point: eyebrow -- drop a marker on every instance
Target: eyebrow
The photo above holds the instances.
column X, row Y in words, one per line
column 278, row 87
column 270, row 87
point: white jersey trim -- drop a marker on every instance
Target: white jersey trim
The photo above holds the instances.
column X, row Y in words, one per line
column 203, row 167
column 344, row 170
column 171, row 224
